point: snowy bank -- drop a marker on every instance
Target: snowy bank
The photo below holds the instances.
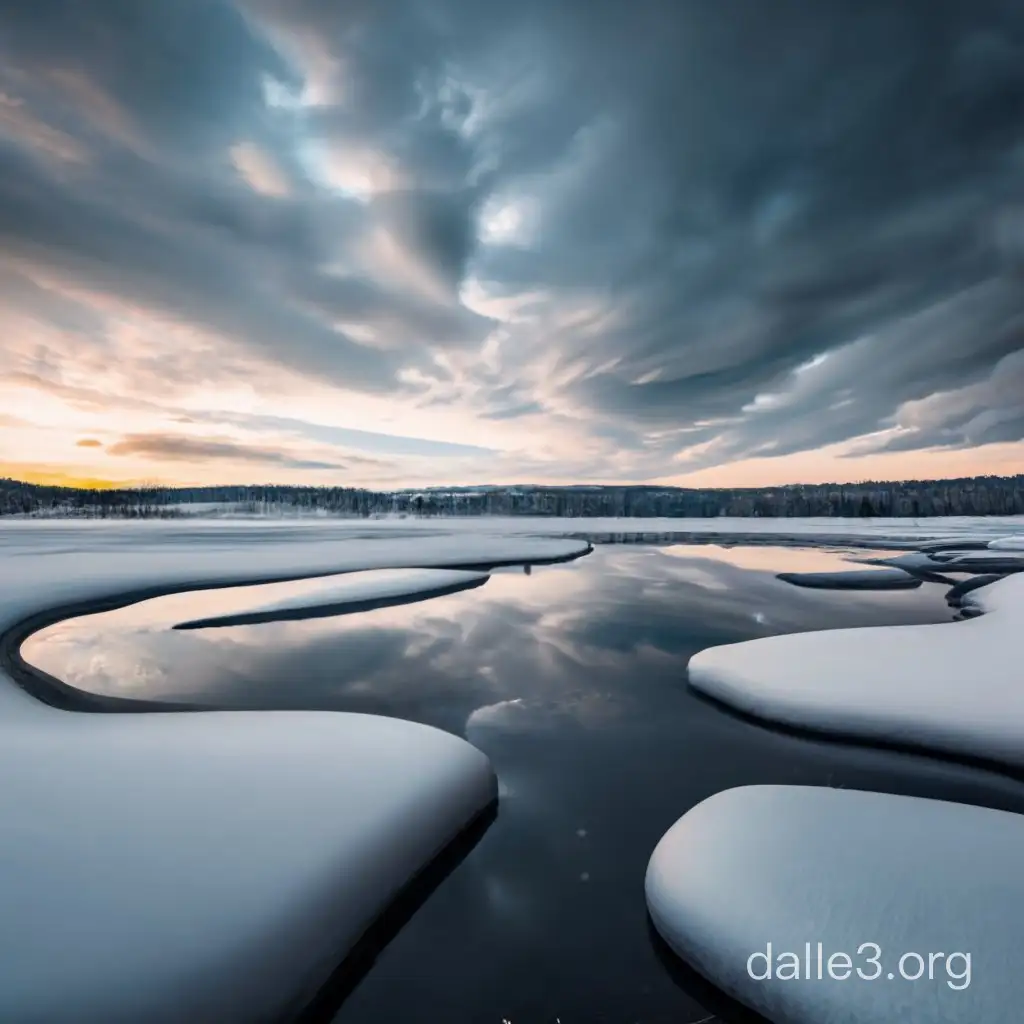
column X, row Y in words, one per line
column 1015, row 543
column 953, row 688
column 353, row 592
column 217, row 866
column 796, row 866
column 894, row 533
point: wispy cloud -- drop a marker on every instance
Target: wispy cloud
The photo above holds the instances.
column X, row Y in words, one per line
column 364, row 440
column 162, row 447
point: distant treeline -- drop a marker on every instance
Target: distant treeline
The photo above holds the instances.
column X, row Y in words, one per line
column 971, row 496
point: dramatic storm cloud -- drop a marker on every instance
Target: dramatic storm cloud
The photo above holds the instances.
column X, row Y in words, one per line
column 401, row 241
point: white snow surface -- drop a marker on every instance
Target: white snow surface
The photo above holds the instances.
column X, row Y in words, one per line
column 214, row 866
column 955, row 687
column 335, row 594
column 818, row 529
column 1007, row 543
column 792, row 865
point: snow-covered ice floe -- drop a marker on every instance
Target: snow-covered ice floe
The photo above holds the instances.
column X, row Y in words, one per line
column 353, row 592
column 215, row 866
column 1013, row 543
column 935, row 886
column 855, row 579
column 211, row 866
column 954, row 688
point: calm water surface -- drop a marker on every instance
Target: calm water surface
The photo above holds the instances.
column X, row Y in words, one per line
column 572, row 679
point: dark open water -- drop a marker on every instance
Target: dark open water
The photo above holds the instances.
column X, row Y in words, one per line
column 572, row 680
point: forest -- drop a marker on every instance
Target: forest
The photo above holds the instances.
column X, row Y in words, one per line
column 972, row 496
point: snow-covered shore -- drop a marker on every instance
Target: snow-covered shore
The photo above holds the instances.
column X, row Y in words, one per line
column 218, row 866
column 898, row 532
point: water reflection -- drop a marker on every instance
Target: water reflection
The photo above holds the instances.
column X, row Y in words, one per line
column 766, row 558
column 604, row 623
column 572, row 680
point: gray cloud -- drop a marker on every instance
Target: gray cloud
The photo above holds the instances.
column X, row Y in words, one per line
column 514, row 412
column 364, row 440
column 986, row 412
column 156, row 214
column 877, row 382
column 742, row 186
column 782, row 185
column 170, row 448
column 178, row 271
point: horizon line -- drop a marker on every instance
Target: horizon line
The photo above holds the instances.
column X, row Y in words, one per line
column 109, row 485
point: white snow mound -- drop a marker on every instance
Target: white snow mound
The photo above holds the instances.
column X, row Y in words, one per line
column 797, row 866
column 335, row 595
column 1007, row 543
column 212, row 866
column 955, row 687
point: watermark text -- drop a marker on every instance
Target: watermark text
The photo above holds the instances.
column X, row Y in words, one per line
column 815, row 963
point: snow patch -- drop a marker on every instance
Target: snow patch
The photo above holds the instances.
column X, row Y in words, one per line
column 792, row 866
column 1007, row 543
column 357, row 591
column 210, row 866
column 952, row 687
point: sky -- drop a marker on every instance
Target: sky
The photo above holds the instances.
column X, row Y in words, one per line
column 422, row 242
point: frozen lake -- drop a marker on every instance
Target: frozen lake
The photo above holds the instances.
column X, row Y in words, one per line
column 572, row 679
